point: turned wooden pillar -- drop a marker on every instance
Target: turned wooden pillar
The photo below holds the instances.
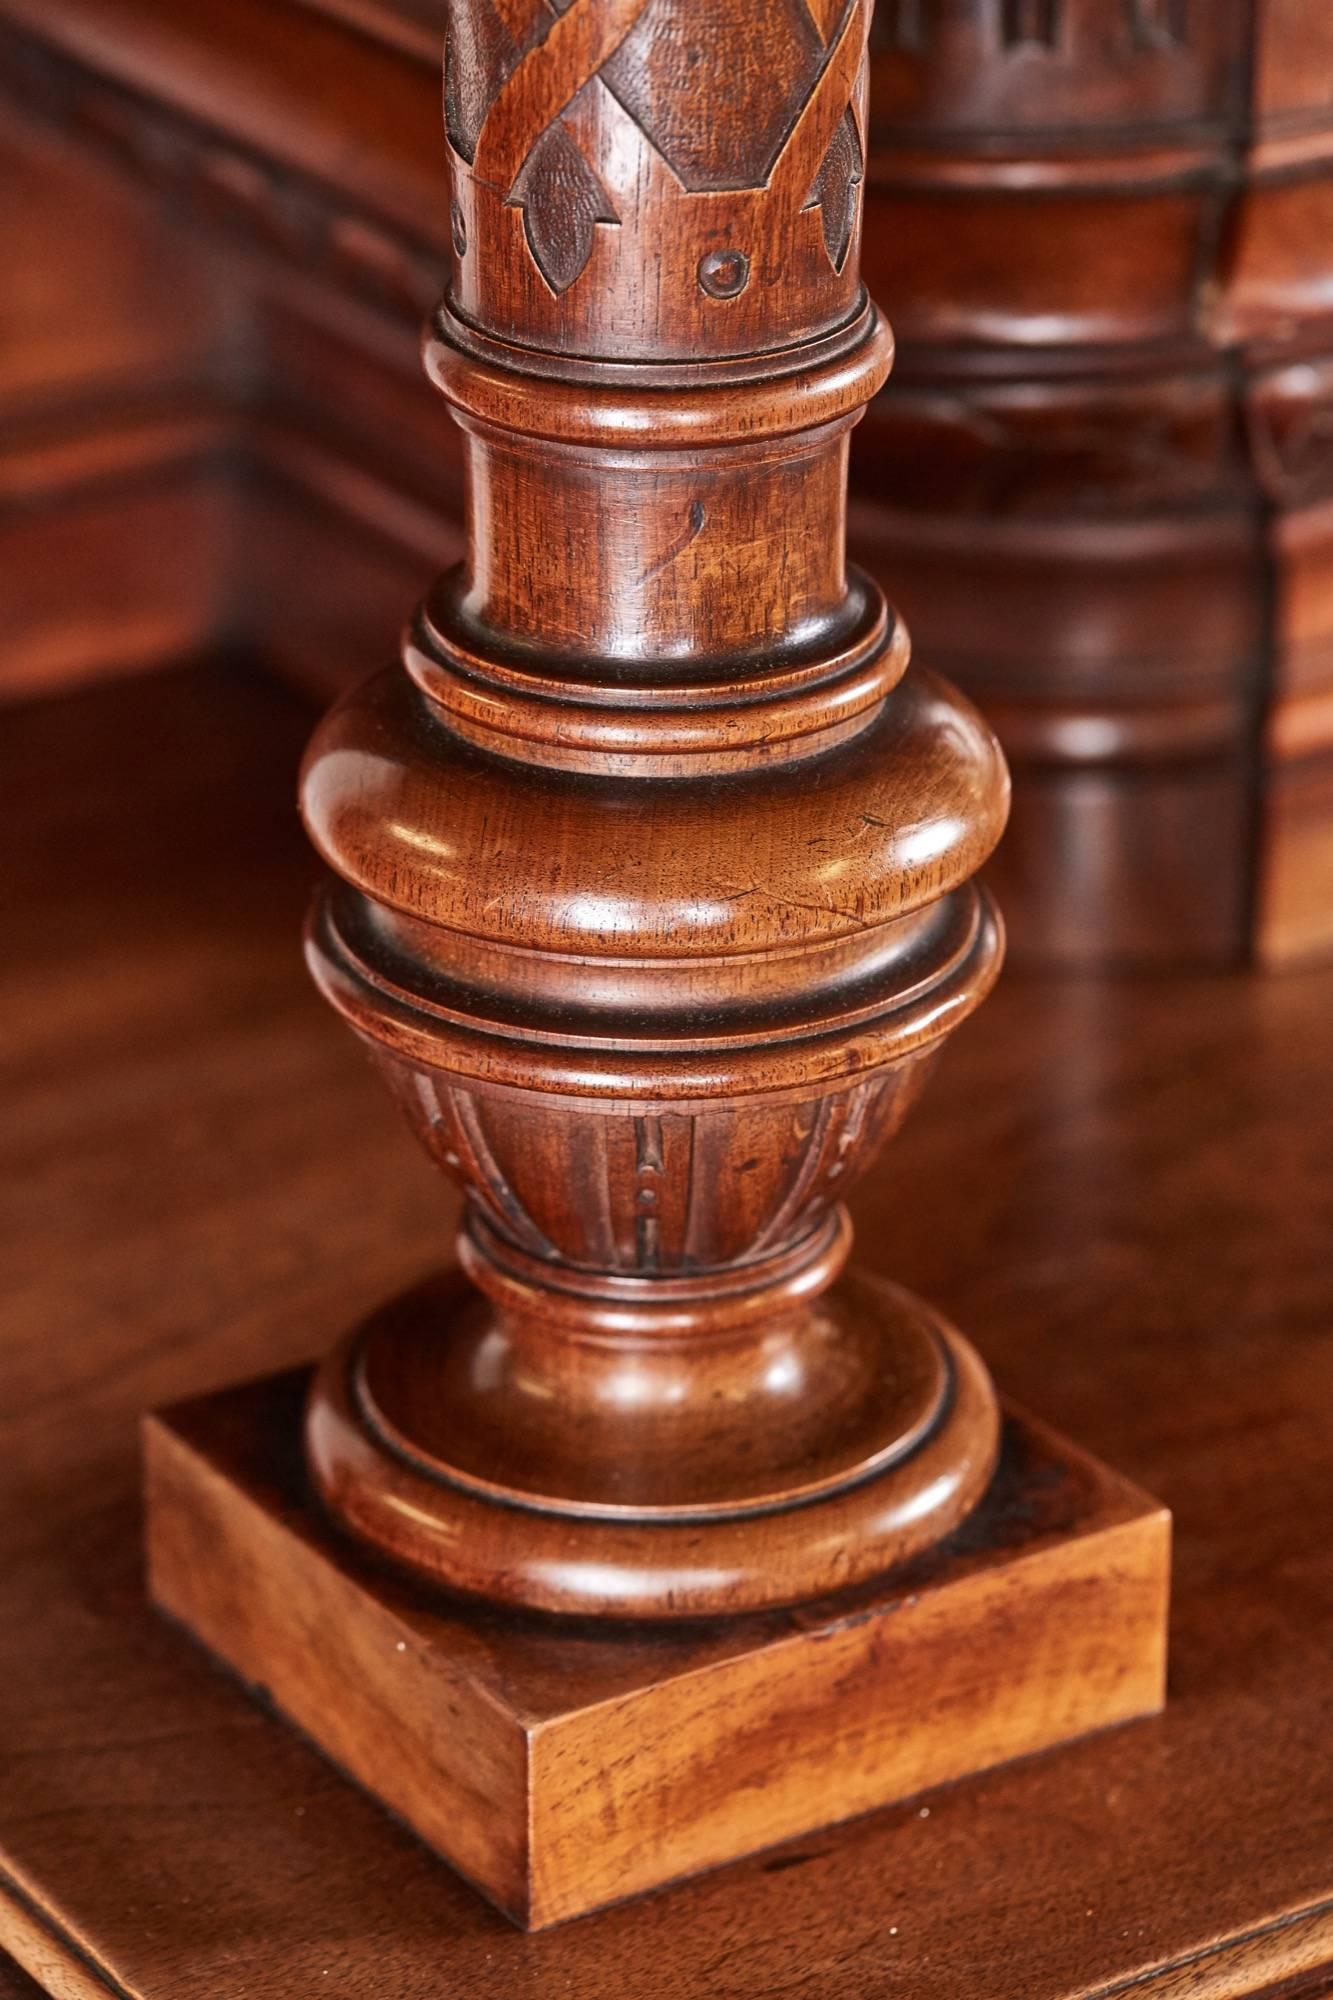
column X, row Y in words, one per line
column 652, row 894
column 652, row 865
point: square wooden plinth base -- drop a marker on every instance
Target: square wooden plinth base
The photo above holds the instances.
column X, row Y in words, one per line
column 562, row 1768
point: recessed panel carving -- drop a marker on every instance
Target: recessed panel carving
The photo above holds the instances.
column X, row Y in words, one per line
column 977, row 65
column 1025, row 22
column 1145, row 24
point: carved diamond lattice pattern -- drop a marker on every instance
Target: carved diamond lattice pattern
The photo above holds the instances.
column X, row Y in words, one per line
column 715, row 91
column 481, row 51
column 717, row 98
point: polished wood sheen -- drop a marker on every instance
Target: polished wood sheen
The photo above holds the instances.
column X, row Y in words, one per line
column 562, row 1772
column 1097, row 481
column 652, row 865
column 1105, row 228
column 650, row 889
column 1123, row 1185
column 115, row 518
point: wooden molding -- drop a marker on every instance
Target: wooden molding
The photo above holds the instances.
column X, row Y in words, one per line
column 650, row 891
column 1153, row 343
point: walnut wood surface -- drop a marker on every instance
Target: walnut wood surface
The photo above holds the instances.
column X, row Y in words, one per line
column 1115, row 430
column 197, row 1184
column 651, row 865
column 562, row 1768
column 1125, row 414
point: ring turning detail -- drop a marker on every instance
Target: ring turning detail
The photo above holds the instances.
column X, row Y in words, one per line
column 652, row 865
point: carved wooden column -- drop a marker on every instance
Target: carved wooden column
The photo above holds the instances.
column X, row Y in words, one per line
column 651, row 892
column 652, row 888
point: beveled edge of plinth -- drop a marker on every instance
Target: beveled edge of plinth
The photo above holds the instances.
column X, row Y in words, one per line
column 561, row 1766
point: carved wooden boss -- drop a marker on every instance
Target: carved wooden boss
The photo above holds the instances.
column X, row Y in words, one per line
column 652, row 894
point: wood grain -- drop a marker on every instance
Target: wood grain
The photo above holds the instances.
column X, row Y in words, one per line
column 561, row 1770
column 1113, row 258
column 1111, row 411
column 651, row 867
column 197, row 1184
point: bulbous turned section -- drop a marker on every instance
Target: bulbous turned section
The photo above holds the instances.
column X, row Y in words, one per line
column 652, row 874
column 656, row 1063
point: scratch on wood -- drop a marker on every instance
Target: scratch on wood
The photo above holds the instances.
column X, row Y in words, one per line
column 698, row 516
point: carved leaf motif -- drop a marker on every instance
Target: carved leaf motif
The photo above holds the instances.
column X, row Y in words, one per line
column 834, row 190
column 562, row 201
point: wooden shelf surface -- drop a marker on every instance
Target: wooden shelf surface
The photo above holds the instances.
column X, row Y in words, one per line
column 1121, row 1190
